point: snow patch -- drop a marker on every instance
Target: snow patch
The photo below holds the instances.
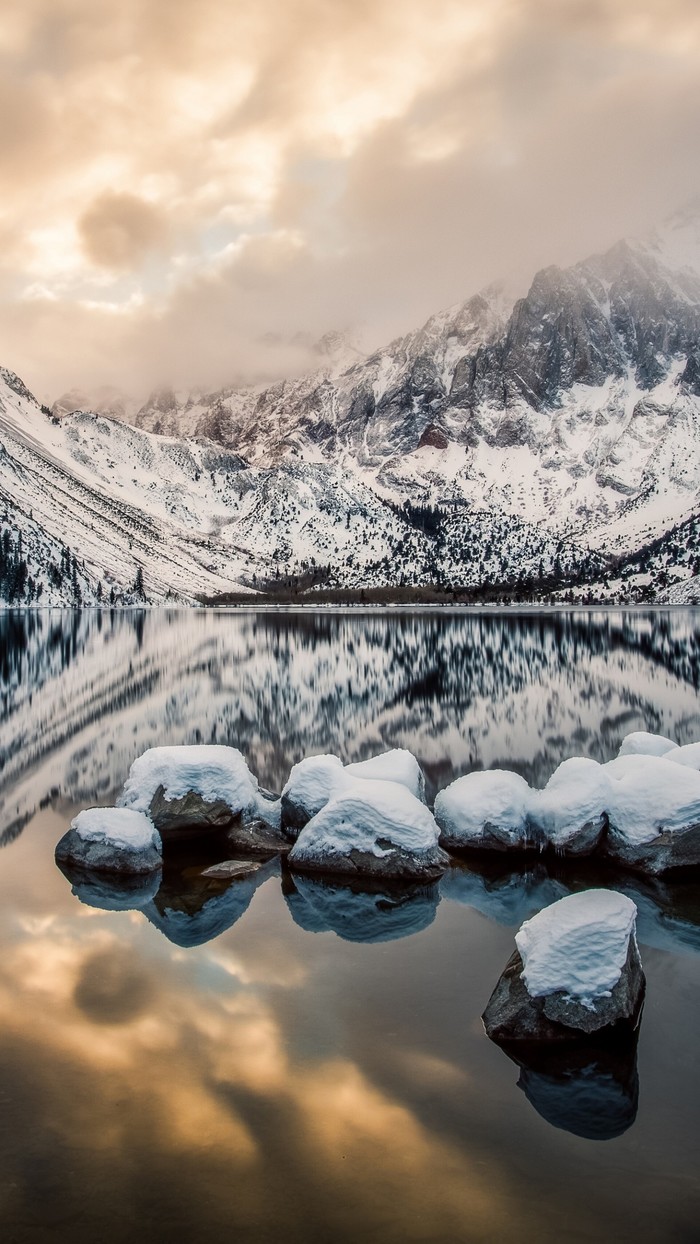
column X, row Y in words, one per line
column 641, row 743
column 363, row 818
column 120, row 827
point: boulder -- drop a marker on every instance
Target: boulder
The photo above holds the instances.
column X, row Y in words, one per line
column 187, row 790
column 486, row 811
column 372, row 829
column 111, row 840
column 315, row 780
column 311, row 783
column 653, row 814
column 576, row 972
column 570, row 813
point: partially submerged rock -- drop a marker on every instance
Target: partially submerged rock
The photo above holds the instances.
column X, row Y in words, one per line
column 189, row 789
column 576, row 972
column 486, row 811
column 653, row 814
column 316, row 779
column 570, row 814
column 373, row 829
column 111, row 840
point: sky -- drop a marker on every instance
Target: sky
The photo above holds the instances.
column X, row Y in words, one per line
column 195, row 190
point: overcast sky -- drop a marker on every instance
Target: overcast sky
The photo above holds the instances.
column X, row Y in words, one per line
column 187, row 184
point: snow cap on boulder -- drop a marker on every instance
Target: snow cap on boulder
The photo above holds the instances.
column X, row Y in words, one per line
column 205, row 785
column 641, row 743
column 688, row 755
column 316, row 779
column 578, row 946
column 116, row 840
column 371, row 828
column 570, row 813
column 311, row 783
column 397, row 765
column 485, row 810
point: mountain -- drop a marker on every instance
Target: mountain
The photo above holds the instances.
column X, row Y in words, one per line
column 516, row 442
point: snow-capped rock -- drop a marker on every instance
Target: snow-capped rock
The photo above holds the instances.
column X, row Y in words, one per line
column 487, row 811
column 186, row 789
column 372, row 829
column 688, row 755
column 570, row 814
column 576, row 971
column 316, row 779
column 653, row 814
column 111, row 840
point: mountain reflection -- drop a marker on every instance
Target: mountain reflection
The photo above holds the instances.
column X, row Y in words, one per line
column 83, row 693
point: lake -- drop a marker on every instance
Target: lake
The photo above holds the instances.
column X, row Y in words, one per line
column 269, row 1059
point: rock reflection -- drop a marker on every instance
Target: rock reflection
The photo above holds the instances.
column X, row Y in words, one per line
column 360, row 913
column 191, row 908
column 111, row 892
column 590, row 1091
column 500, row 893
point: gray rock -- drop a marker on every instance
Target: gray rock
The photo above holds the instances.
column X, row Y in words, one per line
column 396, row 865
column 104, row 856
column 256, row 837
column 513, row 1015
column 664, row 853
column 180, row 818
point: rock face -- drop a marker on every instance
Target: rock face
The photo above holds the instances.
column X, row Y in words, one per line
column 111, row 840
column 372, row 829
column 576, row 972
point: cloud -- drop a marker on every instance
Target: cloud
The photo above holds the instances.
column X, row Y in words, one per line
column 188, row 182
column 118, row 230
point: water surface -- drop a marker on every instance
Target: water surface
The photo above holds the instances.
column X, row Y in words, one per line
column 268, row 1059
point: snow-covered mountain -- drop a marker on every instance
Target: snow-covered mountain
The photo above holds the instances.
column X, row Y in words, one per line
column 504, row 440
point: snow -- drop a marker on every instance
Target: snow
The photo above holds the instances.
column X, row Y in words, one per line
column 211, row 770
column 358, row 818
column 688, row 755
column 120, row 827
column 578, row 946
column 471, row 803
column 641, row 743
column 397, row 765
column 313, row 781
column 577, row 793
column 651, row 795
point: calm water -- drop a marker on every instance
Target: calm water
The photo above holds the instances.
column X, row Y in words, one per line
column 272, row 1061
